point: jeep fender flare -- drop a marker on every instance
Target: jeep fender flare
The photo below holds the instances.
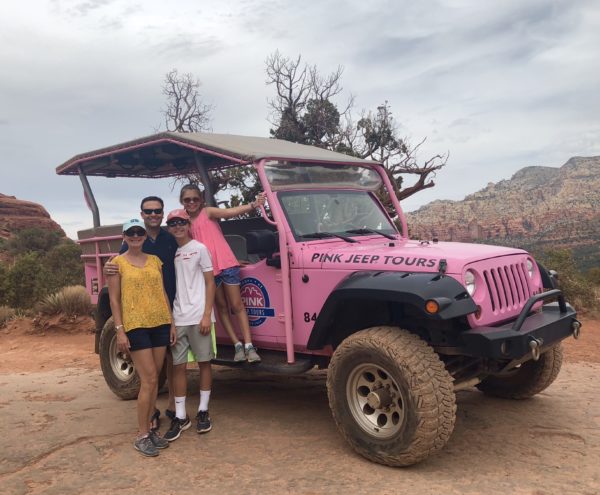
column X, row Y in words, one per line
column 413, row 289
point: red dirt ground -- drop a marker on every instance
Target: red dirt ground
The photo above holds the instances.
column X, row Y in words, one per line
column 28, row 345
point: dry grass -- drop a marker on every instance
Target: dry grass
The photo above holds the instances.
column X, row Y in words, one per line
column 6, row 314
column 71, row 301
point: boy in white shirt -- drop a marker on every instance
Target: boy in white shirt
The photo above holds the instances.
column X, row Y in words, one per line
column 194, row 318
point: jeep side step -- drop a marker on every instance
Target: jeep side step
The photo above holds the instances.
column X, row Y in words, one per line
column 271, row 361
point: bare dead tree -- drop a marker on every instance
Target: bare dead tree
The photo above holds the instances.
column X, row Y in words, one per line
column 303, row 111
column 185, row 110
column 376, row 136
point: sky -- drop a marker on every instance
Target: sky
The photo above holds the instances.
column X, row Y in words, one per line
column 499, row 84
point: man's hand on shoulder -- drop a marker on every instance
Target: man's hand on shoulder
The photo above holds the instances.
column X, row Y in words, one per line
column 110, row 268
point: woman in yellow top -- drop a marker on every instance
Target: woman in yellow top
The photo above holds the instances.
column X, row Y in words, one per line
column 143, row 322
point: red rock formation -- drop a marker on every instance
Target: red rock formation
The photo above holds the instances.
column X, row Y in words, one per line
column 539, row 207
column 16, row 214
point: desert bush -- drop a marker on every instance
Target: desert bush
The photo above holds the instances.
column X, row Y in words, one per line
column 63, row 262
column 26, row 281
column 576, row 288
column 42, row 264
column 6, row 314
column 3, row 283
column 593, row 276
column 33, row 240
column 73, row 301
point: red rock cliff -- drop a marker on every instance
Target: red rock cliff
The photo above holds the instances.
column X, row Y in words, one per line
column 16, row 214
column 537, row 208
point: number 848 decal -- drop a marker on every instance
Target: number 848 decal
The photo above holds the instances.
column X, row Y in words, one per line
column 310, row 317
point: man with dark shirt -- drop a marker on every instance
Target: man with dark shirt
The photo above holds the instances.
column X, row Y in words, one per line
column 160, row 243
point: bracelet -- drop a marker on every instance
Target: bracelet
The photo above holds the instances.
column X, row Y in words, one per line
column 118, row 326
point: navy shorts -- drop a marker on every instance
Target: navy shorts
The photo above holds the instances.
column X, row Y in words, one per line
column 146, row 338
column 229, row 276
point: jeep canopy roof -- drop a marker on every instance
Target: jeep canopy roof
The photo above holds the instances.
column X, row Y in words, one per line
column 174, row 153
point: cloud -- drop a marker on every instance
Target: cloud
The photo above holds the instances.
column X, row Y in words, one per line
column 501, row 85
column 77, row 8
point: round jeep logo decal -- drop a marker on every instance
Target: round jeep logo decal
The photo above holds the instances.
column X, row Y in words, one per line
column 256, row 299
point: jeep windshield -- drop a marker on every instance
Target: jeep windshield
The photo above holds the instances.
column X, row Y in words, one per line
column 294, row 175
column 334, row 213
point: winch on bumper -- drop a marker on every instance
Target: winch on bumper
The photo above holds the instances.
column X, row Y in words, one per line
column 529, row 335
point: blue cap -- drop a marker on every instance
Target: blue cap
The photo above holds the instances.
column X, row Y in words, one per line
column 134, row 222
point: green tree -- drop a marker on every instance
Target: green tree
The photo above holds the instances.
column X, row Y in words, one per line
column 33, row 239
column 26, row 281
column 63, row 263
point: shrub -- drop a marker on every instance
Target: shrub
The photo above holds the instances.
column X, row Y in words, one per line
column 33, row 240
column 593, row 275
column 63, row 262
column 6, row 314
column 73, row 301
column 3, row 284
column 26, row 281
column 576, row 288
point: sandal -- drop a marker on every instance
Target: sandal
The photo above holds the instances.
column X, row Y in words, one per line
column 155, row 420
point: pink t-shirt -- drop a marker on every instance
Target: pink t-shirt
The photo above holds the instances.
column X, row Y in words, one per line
column 209, row 233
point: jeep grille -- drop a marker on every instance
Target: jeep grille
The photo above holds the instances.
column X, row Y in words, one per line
column 507, row 286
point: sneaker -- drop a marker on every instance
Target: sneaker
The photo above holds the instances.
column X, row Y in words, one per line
column 251, row 355
column 170, row 414
column 158, row 441
column 203, row 424
column 240, row 355
column 145, row 446
column 177, row 426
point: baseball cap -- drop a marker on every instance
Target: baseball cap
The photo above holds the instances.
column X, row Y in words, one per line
column 134, row 222
column 178, row 213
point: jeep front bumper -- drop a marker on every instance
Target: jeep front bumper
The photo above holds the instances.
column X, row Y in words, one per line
column 529, row 334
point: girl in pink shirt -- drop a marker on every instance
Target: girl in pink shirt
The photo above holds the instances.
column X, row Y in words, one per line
column 205, row 228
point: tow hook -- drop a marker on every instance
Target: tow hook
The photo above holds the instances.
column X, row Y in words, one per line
column 576, row 326
column 535, row 345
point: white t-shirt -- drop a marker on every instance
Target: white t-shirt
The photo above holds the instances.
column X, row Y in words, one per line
column 191, row 260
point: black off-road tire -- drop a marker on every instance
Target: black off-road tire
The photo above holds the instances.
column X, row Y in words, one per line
column 423, row 403
column 528, row 380
column 118, row 370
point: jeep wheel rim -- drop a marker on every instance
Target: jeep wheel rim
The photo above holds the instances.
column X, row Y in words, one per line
column 120, row 362
column 375, row 401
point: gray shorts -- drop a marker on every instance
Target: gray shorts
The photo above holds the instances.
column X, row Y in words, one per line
column 189, row 337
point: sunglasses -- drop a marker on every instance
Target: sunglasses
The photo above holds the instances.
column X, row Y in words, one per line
column 195, row 199
column 177, row 223
column 135, row 233
column 150, row 211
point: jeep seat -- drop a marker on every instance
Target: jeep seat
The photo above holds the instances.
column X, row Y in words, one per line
column 262, row 242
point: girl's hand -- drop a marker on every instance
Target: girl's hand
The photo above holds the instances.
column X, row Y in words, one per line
column 260, row 200
column 205, row 325
column 172, row 335
column 123, row 344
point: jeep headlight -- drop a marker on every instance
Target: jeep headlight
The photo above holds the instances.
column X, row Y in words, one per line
column 470, row 282
column 530, row 268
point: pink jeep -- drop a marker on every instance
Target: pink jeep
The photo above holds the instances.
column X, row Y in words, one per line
column 330, row 281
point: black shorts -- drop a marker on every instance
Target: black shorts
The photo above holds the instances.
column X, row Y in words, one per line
column 146, row 338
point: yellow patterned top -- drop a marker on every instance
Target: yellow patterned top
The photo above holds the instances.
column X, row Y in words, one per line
column 143, row 303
